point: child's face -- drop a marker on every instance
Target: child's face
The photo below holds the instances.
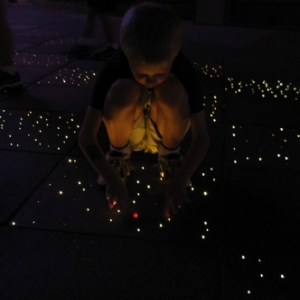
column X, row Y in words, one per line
column 151, row 75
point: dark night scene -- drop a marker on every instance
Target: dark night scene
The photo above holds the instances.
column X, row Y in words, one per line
column 149, row 150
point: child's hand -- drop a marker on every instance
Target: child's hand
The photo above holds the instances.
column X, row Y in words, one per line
column 175, row 195
column 117, row 194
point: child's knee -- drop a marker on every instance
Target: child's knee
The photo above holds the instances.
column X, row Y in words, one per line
column 123, row 92
column 172, row 97
column 172, row 92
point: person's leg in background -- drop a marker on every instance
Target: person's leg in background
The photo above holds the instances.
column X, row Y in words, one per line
column 8, row 76
column 103, row 10
column 83, row 45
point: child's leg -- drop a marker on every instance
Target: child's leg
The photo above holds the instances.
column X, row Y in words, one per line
column 170, row 112
column 122, row 107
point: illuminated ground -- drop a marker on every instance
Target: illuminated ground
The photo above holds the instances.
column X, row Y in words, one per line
column 238, row 239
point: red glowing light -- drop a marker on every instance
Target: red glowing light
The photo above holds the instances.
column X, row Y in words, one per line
column 135, row 215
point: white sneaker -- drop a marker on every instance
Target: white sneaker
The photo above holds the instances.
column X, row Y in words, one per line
column 121, row 162
column 168, row 165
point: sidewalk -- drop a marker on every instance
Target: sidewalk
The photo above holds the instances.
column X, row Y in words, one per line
column 238, row 239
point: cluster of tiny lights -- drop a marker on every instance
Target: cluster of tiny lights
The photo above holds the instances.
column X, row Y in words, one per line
column 210, row 70
column 214, row 105
column 48, row 60
column 275, row 89
column 205, row 224
column 45, row 130
column 79, row 184
column 260, row 275
column 66, row 76
column 258, row 141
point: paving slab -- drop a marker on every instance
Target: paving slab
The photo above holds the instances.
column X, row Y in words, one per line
column 31, row 74
column 64, row 265
column 68, row 77
column 276, row 89
column 4, row 95
column 41, row 60
column 261, row 209
column 87, row 63
column 265, row 71
column 260, row 147
column 38, row 35
column 35, row 131
column 253, row 273
column 261, row 111
column 50, row 98
column 22, row 46
column 278, row 46
column 21, row 173
column 49, row 47
column 70, row 200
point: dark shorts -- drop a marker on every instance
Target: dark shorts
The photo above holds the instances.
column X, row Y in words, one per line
column 103, row 5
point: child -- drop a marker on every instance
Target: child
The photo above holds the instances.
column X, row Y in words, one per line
column 148, row 97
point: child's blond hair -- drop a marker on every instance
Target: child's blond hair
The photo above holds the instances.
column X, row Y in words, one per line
column 150, row 33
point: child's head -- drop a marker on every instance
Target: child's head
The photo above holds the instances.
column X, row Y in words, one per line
column 150, row 34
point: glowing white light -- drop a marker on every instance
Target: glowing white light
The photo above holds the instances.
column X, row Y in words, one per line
column 60, row 192
column 203, row 237
column 282, row 276
column 243, row 257
column 138, row 229
column 205, row 193
column 87, row 209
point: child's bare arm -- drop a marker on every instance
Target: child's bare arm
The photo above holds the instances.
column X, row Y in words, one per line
column 88, row 143
column 197, row 150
